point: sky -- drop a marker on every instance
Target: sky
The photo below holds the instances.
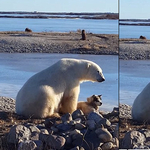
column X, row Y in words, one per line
column 128, row 9
column 134, row 9
column 60, row 5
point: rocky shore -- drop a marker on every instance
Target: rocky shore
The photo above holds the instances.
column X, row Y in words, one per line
column 96, row 44
column 135, row 49
column 49, row 42
column 71, row 132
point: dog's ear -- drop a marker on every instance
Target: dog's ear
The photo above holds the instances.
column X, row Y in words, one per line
column 100, row 96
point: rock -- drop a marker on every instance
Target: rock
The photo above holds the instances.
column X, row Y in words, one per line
column 27, row 145
column 68, row 140
column 53, row 141
column 75, row 148
column 34, row 136
column 32, row 127
column 133, row 138
column 105, row 122
column 77, row 114
column 54, row 129
column 104, row 134
column 66, row 117
column 92, row 140
column 95, row 116
column 77, row 139
column 91, row 124
column 63, row 127
column 146, row 132
column 48, row 123
column 142, row 37
column 44, row 131
column 116, row 131
column 83, row 35
column 79, row 126
column 115, row 142
column 107, row 146
column 28, row 30
column 125, row 111
column 97, row 148
column 17, row 133
column 74, row 132
column 39, row 144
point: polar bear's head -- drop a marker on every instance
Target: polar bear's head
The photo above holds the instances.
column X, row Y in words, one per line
column 94, row 72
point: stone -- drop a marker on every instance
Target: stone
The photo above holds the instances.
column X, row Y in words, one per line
column 77, row 114
column 133, row 138
column 32, row 128
column 74, row 132
column 105, row 122
column 66, row 117
column 55, row 141
column 104, row 134
column 146, row 132
column 17, row 133
column 92, row 140
column 115, row 141
column 34, row 136
column 83, row 35
column 48, row 123
column 107, row 146
column 75, row 148
column 91, row 124
column 27, row 145
column 63, row 127
column 44, row 131
column 94, row 116
column 39, row 144
column 79, row 126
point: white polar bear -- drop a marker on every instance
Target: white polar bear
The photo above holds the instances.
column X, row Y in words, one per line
column 56, row 89
column 141, row 106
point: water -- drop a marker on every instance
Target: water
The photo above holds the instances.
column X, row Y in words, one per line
column 17, row 68
column 134, row 76
column 127, row 31
column 59, row 25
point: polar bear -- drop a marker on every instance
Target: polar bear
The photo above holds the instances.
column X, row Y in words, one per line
column 56, row 89
column 92, row 104
column 141, row 106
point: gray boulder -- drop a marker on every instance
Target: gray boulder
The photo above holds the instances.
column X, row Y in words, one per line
column 133, row 139
column 17, row 133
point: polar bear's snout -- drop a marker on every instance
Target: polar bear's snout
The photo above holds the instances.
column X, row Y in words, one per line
column 101, row 78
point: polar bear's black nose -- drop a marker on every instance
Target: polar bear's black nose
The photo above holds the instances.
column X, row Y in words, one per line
column 103, row 79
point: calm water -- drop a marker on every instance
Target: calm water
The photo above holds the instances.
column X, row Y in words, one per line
column 134, row 76
column 15, row 69
column 59, row 25
column 126, row 31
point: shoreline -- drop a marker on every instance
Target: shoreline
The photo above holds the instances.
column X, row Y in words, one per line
column 70, row 42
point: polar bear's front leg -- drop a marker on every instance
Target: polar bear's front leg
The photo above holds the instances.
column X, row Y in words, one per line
column 69, row 101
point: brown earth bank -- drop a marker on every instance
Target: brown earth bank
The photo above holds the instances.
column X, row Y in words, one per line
column 50, row 42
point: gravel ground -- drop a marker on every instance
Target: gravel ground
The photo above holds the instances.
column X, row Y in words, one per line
column 21, row 42
column 134, row 49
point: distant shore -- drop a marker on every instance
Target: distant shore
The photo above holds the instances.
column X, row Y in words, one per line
column 46, row 15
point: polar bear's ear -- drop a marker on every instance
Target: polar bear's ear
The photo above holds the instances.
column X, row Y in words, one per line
column 88, row 65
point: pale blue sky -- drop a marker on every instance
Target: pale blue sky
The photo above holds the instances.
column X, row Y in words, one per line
column 134, row 9
column 60, row 5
